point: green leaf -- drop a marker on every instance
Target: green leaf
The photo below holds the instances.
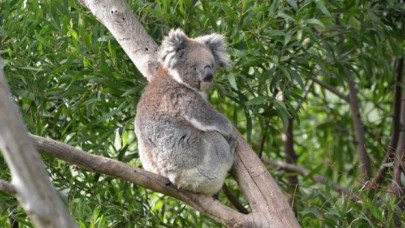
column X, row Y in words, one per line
column 374, row 210
column 315, row 21
column 322, row 7
column 296, row 77
column 293, row 4
column 258, row 100
column 232, row 81
column 285, row 16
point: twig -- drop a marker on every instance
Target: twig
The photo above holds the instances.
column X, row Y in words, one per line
column 304, row 172
column 304, row 97
column 390, row 155
column 330, row 88
column 7, row 187
column 365, row 161
column 263, row 138
column 235, row 202
column 290, row 155
column 288, row 143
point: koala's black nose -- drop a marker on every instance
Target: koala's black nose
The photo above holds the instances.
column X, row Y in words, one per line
column 208, row 74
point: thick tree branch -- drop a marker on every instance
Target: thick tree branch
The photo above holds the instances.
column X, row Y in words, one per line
column 269, row 206
column 33, row 189
column 390, row 155
column 7, row 187
column 118, row 18
column 330, row 88
column 103, row 165
column 364, row 159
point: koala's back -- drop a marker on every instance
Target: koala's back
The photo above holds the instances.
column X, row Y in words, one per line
column 170, row 146
column 161, row 130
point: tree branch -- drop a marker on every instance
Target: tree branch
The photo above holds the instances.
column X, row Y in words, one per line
column 235, row 202
column 33, row 189
column 364, row 159
column 118, row 18
column 269, row 206
column 103, row 165
column 7, row 187
column 390, row 155
column 290, row 155
column 304, row 172
column 397, row 185
column 330, row 88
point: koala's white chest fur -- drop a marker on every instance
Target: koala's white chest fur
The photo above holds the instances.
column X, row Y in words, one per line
column 180, row 135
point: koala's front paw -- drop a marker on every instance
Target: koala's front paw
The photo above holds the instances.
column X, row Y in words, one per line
column 233, row 143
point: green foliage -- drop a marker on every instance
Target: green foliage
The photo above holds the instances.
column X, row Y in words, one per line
column 74, row 83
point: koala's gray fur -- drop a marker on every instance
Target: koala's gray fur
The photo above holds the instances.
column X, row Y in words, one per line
column 180, row 135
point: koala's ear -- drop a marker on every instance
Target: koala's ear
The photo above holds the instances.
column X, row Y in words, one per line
column 172, row 44
column 217, row 44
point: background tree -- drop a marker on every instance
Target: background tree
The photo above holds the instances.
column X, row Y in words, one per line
column 332, row 69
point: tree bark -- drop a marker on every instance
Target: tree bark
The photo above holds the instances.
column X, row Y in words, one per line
column 269, row 206
column 364, row 159
column 397, row 186
column 290, row 155
column 30, row 180
column 118, row 18
column 390, row 154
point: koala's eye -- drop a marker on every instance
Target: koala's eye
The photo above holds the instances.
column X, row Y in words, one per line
column 194, row 67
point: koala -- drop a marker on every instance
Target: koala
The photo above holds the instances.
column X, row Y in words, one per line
column 180, row 134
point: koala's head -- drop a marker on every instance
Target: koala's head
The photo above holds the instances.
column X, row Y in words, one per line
column 192, row 61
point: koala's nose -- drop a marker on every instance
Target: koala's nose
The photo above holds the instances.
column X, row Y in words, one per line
column 208, row 74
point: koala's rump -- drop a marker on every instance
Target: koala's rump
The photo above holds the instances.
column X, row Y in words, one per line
column 179, row 146
column 172, row 142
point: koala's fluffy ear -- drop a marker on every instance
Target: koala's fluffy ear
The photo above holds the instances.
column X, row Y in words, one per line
column 172, row 44
column 218, row 47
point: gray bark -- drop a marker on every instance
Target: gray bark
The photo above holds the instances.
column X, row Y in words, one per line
column 118, row 18
column 30, row 180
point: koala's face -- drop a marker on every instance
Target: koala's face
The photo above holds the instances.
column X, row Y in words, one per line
column 193, row 61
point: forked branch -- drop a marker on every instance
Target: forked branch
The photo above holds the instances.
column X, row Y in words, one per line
column 269, row 206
